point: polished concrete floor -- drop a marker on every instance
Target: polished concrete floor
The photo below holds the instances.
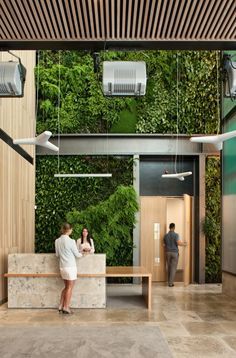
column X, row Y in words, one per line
column 196, row 321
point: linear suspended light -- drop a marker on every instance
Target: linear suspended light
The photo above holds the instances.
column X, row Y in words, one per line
column 217, row 140
column 41, row 139
column 83, row 175
column 179, row 176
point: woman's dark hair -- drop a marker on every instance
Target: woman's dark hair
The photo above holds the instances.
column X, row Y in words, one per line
column 88, row 236
column 65, row 228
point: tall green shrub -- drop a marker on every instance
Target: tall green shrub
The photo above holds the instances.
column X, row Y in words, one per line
column 111, row 223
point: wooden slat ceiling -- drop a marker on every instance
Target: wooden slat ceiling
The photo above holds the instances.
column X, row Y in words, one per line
column 117, row 20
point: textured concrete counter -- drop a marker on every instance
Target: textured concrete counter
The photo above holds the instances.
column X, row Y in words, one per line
column 44, row 292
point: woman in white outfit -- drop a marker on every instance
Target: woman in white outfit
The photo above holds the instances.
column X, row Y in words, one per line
column 85, row 243
column 67, row 251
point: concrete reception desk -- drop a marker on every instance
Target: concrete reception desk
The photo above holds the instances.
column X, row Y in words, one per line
column 34, row 281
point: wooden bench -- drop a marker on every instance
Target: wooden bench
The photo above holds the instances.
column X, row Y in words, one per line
column 134, row 271
column 111, row 271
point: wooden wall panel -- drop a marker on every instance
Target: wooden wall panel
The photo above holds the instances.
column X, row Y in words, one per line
column 17, row 175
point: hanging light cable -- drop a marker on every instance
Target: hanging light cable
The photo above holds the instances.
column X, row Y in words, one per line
column 70, row 175
column 182, row 175
column 216, row 140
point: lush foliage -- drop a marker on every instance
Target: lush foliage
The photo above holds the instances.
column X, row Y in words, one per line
column 212, row 221
column 71, row 98
column 111, row 223
column 181, row 96
column 55, row 197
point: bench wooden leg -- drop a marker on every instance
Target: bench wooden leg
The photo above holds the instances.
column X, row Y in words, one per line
column 147, row 290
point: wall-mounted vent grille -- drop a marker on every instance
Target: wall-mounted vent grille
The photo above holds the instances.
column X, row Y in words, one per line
column 11, row 81
column 124, row 78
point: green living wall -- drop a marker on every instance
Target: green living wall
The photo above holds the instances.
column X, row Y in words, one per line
column 70, row 100
column 69, row 87
column 212, row 221
column 55, row 197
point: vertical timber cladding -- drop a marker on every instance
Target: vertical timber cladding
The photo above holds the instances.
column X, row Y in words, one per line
column 17, row 175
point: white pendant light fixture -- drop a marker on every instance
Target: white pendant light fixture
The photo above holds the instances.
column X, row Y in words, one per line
column 70, row 175
column 41, row 139
column 217, row 140
column 179, row 176
column 83, row 175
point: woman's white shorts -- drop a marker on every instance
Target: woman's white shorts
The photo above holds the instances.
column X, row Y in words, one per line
column 68, row 273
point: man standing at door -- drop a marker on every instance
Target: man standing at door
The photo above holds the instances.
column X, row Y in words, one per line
column 171, row 243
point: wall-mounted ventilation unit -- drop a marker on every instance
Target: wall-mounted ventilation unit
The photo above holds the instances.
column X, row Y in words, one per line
column 230, row 80
column 12, row 77
column 124, row 78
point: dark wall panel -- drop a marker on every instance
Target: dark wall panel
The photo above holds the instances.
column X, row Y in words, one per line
column 151, row 182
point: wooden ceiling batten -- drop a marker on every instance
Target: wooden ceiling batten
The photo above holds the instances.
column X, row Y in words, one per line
column 188, row 19
column 106, row 18
column 27, row 14
column 210, row 20
column 156, row 17
column 173, row 17
column 96, row 15
column 178, row 19
column 140, row 17
column 69, row 15
column 219, row 14
column 40, row 18
column 19, row 18
column 10, row 24
column 205, row 19
column 101, row 7
column 199, row 24
column 85, row 19
column 76, row 23
column 128, row 18
column 6, row 31
column 64, row 19
column 196, row 19
column 80, row 18
column 162, row 13
column 49, row 18
column 135, row 19
column 53, row 21
column 145, row 19
column 229, row 12
column 152, row 15
column 186, row 6
column 113, row 20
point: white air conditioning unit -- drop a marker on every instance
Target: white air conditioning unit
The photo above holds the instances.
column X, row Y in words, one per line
column 124, row 78
column 12, row 76
column 230, row 83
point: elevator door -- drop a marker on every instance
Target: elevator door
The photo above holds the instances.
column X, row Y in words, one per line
column 156, row 215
